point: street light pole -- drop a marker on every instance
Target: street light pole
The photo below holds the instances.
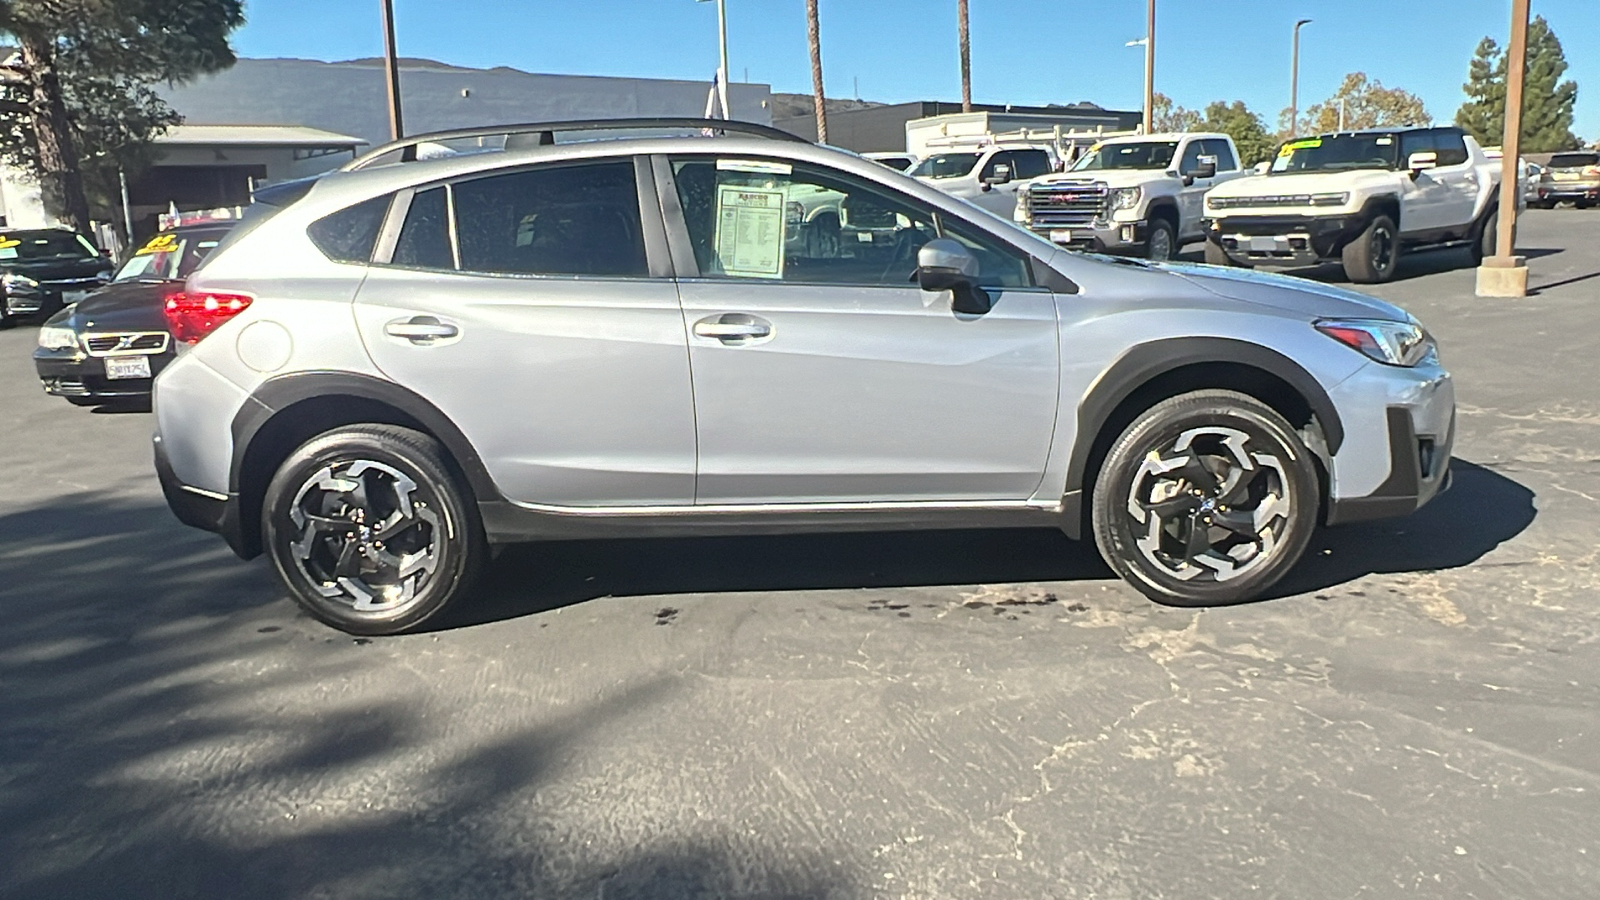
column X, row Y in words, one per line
column 1506, row 275
column 1294, row 81
column 722, row 54
column 1150, row 67
column 391, row 71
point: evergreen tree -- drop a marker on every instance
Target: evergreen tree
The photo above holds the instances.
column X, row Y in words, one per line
column 78, row 103
column 1547, row 101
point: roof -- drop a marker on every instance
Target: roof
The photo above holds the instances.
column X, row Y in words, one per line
column 257, row 136
column 1162, row 136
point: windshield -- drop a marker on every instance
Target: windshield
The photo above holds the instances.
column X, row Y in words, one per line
column 36, row 245
column 1148, row 155
column 946, row 165
column 170, row 256
column 1574, row 160
column 1338, row 152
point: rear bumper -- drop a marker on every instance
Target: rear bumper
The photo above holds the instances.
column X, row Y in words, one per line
column 1283, row 240
column 206, row 510
column 1419, row 470
column 1579, row 191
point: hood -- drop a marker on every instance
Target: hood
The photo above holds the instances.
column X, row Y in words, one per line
column 1304, row 183
column 125, row 306
column 1302, row 296
column 1114, row 178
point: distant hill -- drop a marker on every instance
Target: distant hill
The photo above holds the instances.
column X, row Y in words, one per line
column 790, row 106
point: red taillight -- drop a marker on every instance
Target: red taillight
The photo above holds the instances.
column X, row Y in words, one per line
column 191, row 317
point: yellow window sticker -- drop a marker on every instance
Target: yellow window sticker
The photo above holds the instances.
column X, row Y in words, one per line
column 161, row 243
column 9, row 243
column 1292, row 146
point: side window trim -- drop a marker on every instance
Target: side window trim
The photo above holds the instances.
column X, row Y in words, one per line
column 389, row 235
column 679, row 245
column 657, row 253
column 450, row 219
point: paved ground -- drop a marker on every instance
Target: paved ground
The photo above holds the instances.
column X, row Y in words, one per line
column 946, row 716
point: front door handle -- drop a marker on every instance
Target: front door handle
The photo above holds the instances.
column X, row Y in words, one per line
column 733, row 328
column 421, row 329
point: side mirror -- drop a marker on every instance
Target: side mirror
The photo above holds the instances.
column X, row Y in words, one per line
column 1206, row 168
column 1000, row 175
column 1421, row 161
column 947, row 265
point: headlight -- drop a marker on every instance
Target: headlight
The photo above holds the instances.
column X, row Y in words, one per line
column 1125, row 198
column 1330, row 199
column 1391, row 343
column 54, row 337
column 12, row 279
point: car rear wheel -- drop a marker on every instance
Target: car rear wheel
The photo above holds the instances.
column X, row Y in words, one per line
column 370, row 530
column 1208, row 498
column 1486, row 235
column 1374, row 255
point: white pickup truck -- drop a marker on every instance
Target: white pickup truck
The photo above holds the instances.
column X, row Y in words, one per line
column 987, row 176
column 1138, row 194
column 1361, row 199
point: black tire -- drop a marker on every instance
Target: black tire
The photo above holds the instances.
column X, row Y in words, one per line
column 1217, row 256
column 1197, row 549
column 1373, row 256
column 1583, row 204
column 1485, row 236
column 340, row 571
column 1161, row 241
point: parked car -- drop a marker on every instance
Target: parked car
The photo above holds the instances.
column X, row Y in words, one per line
column 1571, row 176
column 110, row 345
column 410, row 361
column 1361, row 199
column 900, row 162
column 986, row 176
column 1137, row 194
column 44, row 269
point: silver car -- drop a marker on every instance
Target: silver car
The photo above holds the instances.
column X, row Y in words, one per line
column 394, row 368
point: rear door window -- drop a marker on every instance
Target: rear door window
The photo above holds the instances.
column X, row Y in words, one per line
column 1451, row 147
column 580, row 219
column 424, row 241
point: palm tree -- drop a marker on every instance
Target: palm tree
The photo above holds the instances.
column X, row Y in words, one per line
column 966, row 57
column 814, row 34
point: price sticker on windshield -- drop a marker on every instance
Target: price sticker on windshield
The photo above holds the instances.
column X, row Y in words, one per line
column 1292, row 146
column 161, row 243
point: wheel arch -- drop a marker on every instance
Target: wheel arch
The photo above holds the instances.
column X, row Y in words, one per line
column 1165, row 208
column 1382, row 205
column 1156, row 371
column 285, row 412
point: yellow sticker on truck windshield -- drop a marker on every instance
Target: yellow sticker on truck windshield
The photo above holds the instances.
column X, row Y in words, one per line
column 1292, row 146
column 161, row 243
column 9, row 243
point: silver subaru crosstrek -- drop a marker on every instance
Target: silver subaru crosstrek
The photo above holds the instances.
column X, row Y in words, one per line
column 530, row 334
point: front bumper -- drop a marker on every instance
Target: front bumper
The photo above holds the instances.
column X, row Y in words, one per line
column 1283, row 240
column 28, row 301
column 1111, row 237
column 1419, row 470
column 75, row 375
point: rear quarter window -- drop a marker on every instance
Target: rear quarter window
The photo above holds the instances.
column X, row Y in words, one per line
column 350, row 234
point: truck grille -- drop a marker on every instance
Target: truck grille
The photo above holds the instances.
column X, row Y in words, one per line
column 1067, row 205
column 127, row 344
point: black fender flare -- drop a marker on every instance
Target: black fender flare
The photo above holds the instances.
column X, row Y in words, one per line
column 1165, row 208
column 277, row 394
column 1145, row 362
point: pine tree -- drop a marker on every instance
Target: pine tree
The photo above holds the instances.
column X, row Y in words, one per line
column 1547, row 101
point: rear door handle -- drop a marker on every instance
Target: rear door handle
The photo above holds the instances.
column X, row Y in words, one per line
column 733, row 328
column 421, row 329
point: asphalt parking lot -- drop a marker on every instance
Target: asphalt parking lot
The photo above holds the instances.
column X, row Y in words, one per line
column 951, row 715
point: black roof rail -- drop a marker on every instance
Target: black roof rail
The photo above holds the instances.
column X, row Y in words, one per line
column 407, row 147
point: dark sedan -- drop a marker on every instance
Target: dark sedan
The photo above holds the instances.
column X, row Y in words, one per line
column 46, row 268
column 110, row 346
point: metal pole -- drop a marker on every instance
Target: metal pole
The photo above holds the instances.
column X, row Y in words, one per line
column 1150, row 68
column 722, row 46
column 391, row 70
column 1511, row 144
column 127, row 208
column 1294, row 81
column 966, row 56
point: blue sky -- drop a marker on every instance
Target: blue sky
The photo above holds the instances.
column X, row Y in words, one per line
column 1023, row 51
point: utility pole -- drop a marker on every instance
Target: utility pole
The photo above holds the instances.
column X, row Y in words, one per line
column 391, row 71
column 1150, row 67
column 966, row 55
column 1294, row 80
column 1503, row 274
column 722, row 49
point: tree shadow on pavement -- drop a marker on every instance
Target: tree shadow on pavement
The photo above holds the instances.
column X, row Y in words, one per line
column 161, row 741
column 1482, row 510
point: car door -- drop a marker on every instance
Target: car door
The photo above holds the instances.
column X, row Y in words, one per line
column 1424, row 197
column 1191, row 196
column 835, row 379
column 1000, row 199
column 1459, row 180
column 535, row 309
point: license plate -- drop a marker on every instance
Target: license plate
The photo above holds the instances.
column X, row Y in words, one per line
column 1263, row 244
column 70, row 297
column 128, row 367
column 1060, row 236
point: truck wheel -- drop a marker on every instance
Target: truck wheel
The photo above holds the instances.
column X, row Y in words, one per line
column 1207, row 498
column 1217, row 256
column 1161, row 243
column 370, row 530
column 1374, row 255
column 1486, row 236
column 1583, row 204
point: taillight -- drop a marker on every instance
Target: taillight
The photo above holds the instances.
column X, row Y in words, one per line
column 191, row 317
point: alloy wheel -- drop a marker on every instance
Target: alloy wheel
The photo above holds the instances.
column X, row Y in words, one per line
column 1210, row 506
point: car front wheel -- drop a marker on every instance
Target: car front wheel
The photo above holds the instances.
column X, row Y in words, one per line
column 1374, row 255
column 1208, row 498
column 370, row 530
